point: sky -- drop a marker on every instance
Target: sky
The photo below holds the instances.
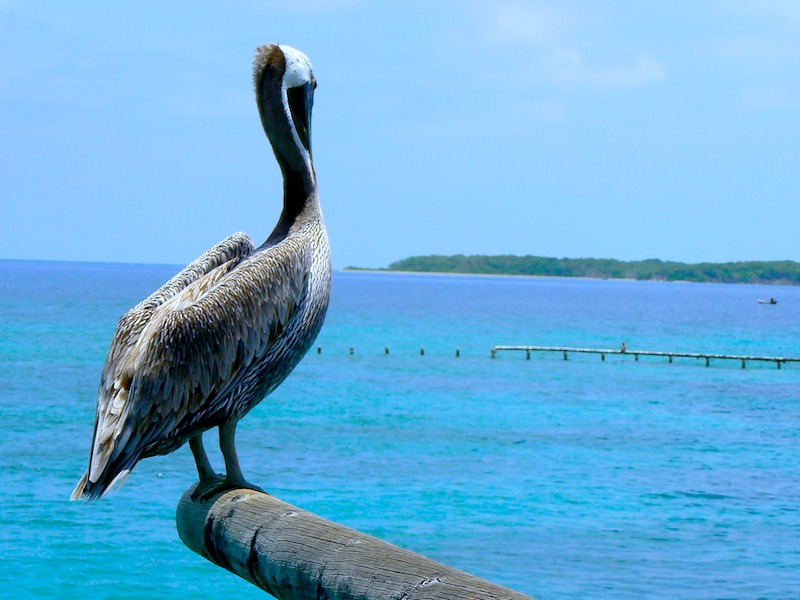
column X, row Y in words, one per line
column 605, row 129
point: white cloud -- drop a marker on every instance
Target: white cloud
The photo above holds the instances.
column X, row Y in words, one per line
column 759, row 60
column 518, row 23
column 570, row 68
column 544, row 46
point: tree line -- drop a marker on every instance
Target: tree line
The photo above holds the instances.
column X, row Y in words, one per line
column 776, row 272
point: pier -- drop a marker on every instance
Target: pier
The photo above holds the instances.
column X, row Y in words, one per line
column 565, row 351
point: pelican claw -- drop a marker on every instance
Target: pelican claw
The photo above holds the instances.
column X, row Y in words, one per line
column 208, row 488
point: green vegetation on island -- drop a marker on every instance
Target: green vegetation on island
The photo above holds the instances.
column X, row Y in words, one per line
column 775, row 272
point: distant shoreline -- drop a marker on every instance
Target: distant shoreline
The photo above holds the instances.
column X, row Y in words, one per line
column 450, row 274
column 749, row 272
column 380, row 271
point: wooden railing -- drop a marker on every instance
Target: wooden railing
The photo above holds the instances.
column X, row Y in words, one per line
column 296, row 555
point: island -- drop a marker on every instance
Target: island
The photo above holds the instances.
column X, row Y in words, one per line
column 785, row 272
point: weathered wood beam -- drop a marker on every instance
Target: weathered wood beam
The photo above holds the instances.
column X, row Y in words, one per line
column 296, row 555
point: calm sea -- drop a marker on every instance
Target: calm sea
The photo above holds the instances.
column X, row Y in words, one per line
column 561, row 479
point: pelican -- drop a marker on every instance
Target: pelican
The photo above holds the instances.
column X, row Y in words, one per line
column 219, row 336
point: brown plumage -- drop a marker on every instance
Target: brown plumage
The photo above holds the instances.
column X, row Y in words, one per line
column 223, row 333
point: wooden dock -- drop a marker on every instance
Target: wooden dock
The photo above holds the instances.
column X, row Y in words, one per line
column 565, row 351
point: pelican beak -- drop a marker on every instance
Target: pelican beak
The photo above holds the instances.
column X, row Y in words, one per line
column 301, row 101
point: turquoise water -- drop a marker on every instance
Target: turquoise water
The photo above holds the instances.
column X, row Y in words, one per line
column 576, row 479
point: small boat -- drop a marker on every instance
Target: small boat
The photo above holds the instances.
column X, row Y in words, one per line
column 770, row 301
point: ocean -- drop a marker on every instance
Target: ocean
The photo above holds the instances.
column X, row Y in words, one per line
column 560, row 479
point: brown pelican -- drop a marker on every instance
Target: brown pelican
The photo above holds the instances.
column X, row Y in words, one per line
column 223, row 333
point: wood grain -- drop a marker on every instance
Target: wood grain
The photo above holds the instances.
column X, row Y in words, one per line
column 296, row 555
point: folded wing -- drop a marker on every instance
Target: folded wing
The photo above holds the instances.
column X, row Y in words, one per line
column 182, row 347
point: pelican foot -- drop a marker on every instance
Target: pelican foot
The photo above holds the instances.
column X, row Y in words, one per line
column 213, row 486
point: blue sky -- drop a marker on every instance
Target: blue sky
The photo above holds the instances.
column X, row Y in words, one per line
column 629, row 130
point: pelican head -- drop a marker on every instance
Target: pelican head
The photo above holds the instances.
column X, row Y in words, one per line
column 285, row 86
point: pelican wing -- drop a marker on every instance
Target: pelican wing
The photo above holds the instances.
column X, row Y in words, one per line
column 192, row 353
column 118, row 369
column 233, row 248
